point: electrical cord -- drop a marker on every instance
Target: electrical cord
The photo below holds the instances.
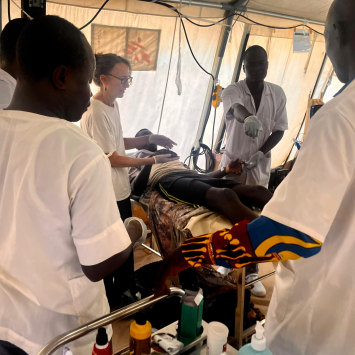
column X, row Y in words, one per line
column 103, row 5
column 281, row 28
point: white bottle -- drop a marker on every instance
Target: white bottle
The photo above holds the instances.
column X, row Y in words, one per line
column 258, row 343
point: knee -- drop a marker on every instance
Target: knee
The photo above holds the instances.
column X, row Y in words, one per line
column 218, row 196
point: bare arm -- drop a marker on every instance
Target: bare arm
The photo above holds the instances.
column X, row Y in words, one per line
column 99, row 271
column 131, row 143
column 272, row 141
column 139, row 184
column 119, row 161
column 240, row 113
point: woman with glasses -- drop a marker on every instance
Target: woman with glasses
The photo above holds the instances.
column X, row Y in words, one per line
column 103, row 124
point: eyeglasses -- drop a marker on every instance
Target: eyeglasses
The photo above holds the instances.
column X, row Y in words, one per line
column 124, row 80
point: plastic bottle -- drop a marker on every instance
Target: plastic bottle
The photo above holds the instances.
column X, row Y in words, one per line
column 140, row 331
column 258, row 343
column 217, row 334
column 102, row 345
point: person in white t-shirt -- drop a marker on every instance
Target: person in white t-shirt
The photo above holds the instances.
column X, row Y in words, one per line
column 308, row 225
column 103, row 124
column 8, row 71
column 60, row 230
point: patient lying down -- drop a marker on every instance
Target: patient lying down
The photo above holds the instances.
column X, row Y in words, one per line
column 179, row 184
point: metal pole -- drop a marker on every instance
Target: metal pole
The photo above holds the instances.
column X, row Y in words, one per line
column 77, row 333
column 235, row 78
column 215, row 72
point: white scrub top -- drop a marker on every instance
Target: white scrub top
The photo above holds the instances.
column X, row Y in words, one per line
column 271, row 113
column 7, row 88
column 312, row 310
column 57, row 211
column 103, row 124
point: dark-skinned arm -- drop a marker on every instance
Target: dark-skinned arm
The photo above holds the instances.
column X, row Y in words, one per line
column 272, row 141
column 235, row 167
column 99, row 271
column 140, row 182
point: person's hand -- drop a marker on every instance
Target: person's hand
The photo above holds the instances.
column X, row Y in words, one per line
column 253, row 161
column 161, row 140
column 235, row 167
column 172, row 265
column 165, row 158
column 252, row 126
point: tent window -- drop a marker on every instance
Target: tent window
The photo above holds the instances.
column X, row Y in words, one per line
column 139, row 46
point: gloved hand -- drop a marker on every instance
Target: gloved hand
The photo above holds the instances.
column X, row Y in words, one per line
column 252, row 126
column 253, row 161
column 161, row 140
column 165, row 158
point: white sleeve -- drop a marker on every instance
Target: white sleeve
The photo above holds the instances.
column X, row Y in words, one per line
column 281, row 122
column 6, row 92
column 231, row 95
column 97, row 229
column 102, row 132
column 310, row 196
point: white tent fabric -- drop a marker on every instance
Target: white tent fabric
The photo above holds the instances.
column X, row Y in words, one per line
column 152, row 101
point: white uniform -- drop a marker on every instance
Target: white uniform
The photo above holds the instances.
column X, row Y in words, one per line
column 7, row 88
column 312, row 311
column 103, row 124
column 57, row 211
column 271, row 113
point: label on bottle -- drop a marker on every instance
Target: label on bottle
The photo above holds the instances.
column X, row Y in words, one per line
column 139, row 347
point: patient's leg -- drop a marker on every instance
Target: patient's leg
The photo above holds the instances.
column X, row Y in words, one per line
column 256, row 196
column 226, row 202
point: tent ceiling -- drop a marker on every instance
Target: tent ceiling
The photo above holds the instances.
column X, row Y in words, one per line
column 313, row 10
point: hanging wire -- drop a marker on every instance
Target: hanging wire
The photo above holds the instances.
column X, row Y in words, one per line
column 97, row 13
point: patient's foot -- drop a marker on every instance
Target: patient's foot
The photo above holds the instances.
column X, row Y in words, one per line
column 258, row 288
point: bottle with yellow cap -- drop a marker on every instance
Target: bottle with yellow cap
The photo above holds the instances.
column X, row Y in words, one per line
column 140, row 332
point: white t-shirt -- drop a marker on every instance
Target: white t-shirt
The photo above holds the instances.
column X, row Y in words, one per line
column 7, row 88
column 103, row 124
column 271, row 113
column 312, row 311
column 57, row 211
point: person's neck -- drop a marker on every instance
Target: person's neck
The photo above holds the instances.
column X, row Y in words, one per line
column 36, row 99
column 255, row 86
column 105, row 97
column 10, row 69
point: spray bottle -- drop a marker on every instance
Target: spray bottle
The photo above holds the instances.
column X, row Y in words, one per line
column 258, row 343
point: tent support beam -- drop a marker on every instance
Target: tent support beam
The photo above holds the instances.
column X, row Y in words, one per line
column 228, row 6
column 235, row 78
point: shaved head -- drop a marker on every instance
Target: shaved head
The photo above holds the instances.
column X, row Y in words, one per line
column 340, row 38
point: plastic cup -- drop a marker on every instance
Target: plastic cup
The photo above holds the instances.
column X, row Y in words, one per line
column 217, row 334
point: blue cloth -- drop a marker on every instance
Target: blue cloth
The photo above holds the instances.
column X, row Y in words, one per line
column 344, row 87
column 7, row 348
column 273, row 237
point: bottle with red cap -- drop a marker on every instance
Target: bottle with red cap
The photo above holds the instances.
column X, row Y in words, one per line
column 102, row 345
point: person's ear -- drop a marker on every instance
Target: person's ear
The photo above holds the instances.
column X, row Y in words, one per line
column 267, row 66
column 60, row 76
column 103, row 79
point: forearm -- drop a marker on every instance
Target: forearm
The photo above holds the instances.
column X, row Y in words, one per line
column 137, row 142
column 272, row 141
column 119, row 161
column 240, row 113
column 218, row 173
column 140, row 183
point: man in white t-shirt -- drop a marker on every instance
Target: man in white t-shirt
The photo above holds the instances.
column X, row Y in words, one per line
column 8, row 71
column 60, row 229
column 308, row 225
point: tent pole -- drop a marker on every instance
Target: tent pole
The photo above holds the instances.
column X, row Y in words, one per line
column 235, row 78
column 215, row 71
column 226, row 6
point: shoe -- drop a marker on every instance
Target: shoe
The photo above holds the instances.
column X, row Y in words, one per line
column 258, row 289
column 139, row 224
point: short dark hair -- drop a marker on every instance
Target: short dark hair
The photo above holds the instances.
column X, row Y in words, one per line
column 47, row 43
column 8, row 39
column 105, row 63
column 139, row 133
column 254, row 49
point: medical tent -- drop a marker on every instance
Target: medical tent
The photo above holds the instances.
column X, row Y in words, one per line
column 170, row 93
